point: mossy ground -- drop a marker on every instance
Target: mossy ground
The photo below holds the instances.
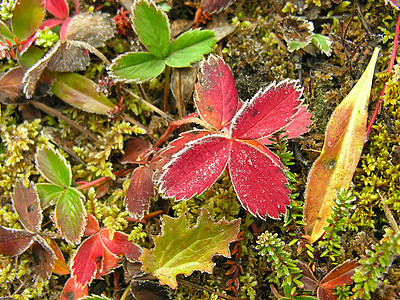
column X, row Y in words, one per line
column 257, row 55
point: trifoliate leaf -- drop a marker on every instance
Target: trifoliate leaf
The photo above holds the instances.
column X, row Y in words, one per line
column 182, row 250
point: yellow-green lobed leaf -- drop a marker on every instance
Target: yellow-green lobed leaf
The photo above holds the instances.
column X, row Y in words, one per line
column 182, row 250
column 344, row 141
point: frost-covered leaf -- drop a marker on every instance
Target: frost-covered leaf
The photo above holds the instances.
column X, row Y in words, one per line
column 259, row 180
column 135, row 149
column 27, row 16
column 53, row 167
column 58, row 8
column 215, row 6
column 92, row 225
column 26, row 204
column 182, row 250
column 141, row 189
column 152, row 26
column 80, row 92
column 297, row 32
column 268, row 111
column 190, row 47
column 344, row 141
column 70, row 215
column 48, row 193
column 137, row 66
column 215, row 95
column 196, row 167
column 14, row 241
column 394, row 3
column 73, row 291
column 44, row 258
column 120, row 245
column 323, row 43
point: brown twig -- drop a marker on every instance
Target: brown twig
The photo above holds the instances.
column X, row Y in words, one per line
column 388, row 214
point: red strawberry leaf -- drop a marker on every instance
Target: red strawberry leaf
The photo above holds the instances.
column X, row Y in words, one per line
column 60, row 266
column 259, row 181
column 216, row 96
column 141, row 189
column 134, row 150
column 26, row 204
column 120, row 245
column 196, row 167
column 268, row 111
column 73, row 291
column 92, row 225
column 87, row 260
column 58, row 8
column 14, row 241
column 214, row 6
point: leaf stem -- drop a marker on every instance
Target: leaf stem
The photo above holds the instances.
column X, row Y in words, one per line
column 391, row 64
column 166, row 87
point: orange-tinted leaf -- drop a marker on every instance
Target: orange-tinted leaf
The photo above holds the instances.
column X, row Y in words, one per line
column 73, row 291
column 27, row 205
column 337, row 277
column 344, row 141
column 60, row 266
column 92, row 225
column 216, row 96
column 141, row 189
column 14, row 241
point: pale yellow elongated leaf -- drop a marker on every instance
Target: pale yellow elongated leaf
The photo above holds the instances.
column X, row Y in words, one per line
column 344, row 141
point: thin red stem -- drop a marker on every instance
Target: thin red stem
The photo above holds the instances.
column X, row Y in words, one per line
column 391, row 64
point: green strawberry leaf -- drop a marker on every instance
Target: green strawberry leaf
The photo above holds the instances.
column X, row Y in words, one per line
column 323, row 43
column 182, row 250
column 5, row 32
column 152, row 26
column 137, row 67
column 190, row 47
column 48, row 193
column 70, row 215
column 53, row 167
column 27, row 16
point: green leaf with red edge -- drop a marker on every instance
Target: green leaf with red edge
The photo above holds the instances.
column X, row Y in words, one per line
column 193, row 251
column 26, row 204
column 215, row 6
column 73, row 291
column 195, row 168
column 80, row 92
column 48, row 193
column 215, row 95
column 339, row 276
column 268, row 111
column 14, row 241
column 258, row 180
column 53, row 167
column 140, row 190
column 70, row 215
column 27, row 16
column 58, row 8
column 344, row 141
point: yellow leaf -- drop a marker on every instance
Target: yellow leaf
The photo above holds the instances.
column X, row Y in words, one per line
column 344, row 141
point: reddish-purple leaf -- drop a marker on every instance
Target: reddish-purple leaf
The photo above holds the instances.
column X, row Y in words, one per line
column 58, row 8
column 73, row 291
column 92, row 225
column 44, row 258
column 11, row 87
column 214, row 6
column 87, row 260
column 259, row 181
column 268, row 111
column 196, row 167
column 337, row 277
column 27, row 205
column 216, row 96
column 14, row 241
column 119, row 245
column 308, row 279
column 135, row 150
column 141, row 188
column 50, row 23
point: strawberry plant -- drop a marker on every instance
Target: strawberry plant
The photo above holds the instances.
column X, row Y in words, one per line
column 233, row 141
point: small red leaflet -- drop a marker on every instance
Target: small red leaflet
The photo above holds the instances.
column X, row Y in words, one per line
column 236, row 143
